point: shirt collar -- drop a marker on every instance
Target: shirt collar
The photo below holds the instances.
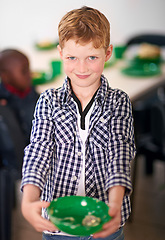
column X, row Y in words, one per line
column 66, row 88
column 100, row 96
column 15, row 91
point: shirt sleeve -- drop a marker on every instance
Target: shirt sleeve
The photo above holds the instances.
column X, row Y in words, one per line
column 121, row 144
column 38, row 153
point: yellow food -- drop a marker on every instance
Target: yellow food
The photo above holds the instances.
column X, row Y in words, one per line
column 36, row 75
column 149, row 51
column 44, row 44
column 91, row 221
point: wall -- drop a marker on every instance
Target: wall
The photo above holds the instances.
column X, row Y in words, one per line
column 23, row 22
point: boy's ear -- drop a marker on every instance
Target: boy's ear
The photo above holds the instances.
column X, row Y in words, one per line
column 60, row 51
column 4, row 76
column 109, row 52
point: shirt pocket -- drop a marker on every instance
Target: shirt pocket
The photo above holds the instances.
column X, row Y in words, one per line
column 100, row 133
column 64, row 127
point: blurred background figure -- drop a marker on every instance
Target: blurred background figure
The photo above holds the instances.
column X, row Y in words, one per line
column 17, row 101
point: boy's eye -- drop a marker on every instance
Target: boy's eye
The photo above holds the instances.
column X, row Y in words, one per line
column 71, row 58
column 92, row 58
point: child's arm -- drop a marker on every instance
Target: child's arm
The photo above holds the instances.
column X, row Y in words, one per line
column 31, row 209
column 116, row 195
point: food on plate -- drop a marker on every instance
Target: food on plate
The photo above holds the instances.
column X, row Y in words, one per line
column 36, row 75
column 149, row 51
column 44, row 44
column 91, row 221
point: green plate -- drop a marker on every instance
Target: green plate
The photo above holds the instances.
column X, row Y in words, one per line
column 41, row 78
column 46, row 45
column 143, row 67
column 138, row 61
column 77, row 215
column 146, row 71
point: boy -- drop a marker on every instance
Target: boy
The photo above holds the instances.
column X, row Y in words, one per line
column 16, row 89
column 82, row 136
column 17, row 96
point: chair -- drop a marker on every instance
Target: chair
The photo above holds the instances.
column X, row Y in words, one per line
column 153, row 145
column 142, row 111
column 149, row 127
column 150, row 140
column 151, row 38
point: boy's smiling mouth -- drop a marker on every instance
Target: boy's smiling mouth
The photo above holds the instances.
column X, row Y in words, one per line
column 82, row 76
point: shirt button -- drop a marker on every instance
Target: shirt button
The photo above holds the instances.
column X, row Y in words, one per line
column 63, row 117
column 79, row 154
column 74, row 178
column 102, row 119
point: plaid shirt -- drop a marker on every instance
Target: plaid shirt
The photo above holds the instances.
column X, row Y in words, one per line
column 53, row 160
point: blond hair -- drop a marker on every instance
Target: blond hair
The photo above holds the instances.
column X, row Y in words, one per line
column 84, row 25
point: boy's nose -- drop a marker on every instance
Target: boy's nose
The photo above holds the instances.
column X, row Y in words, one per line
column 82, row 67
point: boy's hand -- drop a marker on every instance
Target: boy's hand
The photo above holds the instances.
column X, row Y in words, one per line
column 3, row 102
column 32, row 213
column 113, row 225
column 116, row 195
column 31, row 209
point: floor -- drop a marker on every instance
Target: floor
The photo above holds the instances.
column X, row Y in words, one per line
column 148, row 218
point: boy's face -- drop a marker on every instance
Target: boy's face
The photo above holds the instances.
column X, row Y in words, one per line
column 17, row 74
column 83, row 64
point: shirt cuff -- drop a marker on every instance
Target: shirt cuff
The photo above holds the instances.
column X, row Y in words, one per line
column 34, row 179
column 119, row 179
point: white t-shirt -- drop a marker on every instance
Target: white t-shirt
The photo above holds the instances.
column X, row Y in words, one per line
column 83, row 136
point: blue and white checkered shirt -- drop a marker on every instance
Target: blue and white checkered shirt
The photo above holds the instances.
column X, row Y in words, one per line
column 53, row 160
